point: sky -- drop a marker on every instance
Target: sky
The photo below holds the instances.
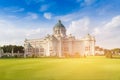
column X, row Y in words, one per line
column 34, row 19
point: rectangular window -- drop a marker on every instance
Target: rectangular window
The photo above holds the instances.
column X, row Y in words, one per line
column 66, row 49
column 87, row 48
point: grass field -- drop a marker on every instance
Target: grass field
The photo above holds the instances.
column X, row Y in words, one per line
column 90, row 68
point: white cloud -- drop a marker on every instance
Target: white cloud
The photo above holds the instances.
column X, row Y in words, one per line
column 96, row 31
column 108, row 26
column 79, row 27
column 44, row 8
column 38, row 32
column 19, row 10
column 65, row 18
column 10, row 34
column 47, row 15
column 15, row 33
column 86, row 2
column 114, row 23
column 13, row 9
column 28, row 2
column 89, row 2
column 70, row 17
column 31, row 16
column 108, row 34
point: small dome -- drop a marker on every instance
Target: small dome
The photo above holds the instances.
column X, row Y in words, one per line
column 59, row 29
column 88, row 37
column 59, row 25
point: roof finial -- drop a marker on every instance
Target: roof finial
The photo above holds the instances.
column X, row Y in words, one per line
column 59, row 21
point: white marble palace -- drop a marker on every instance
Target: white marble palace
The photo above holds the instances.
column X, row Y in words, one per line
column 59, row 44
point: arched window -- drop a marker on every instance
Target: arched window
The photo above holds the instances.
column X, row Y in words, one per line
column 87, row 48
column 58, row 31
column 29, row 50
column 41, row 49
column 65, row 48
column 37, row 50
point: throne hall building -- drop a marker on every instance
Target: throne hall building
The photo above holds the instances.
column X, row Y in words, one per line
column 59, row 44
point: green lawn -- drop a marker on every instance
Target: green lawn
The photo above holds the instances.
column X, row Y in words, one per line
column 90, row 68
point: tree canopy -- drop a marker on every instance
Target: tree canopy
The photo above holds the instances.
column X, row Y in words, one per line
column 14, row 48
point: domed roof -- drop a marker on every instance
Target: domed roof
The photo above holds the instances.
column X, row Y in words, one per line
column 88, row 37
column 59, row 25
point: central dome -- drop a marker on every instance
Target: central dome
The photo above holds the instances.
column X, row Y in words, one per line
column 59, row 29
column 59, row 25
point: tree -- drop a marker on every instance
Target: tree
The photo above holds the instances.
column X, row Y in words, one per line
column 15, row 48
column 116, row 51
column 108, row 53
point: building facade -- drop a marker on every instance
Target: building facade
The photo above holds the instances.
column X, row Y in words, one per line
column 59, row 44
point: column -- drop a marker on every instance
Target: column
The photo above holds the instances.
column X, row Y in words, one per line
column 48, row 49
column 60, row 48
column 70, row 47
